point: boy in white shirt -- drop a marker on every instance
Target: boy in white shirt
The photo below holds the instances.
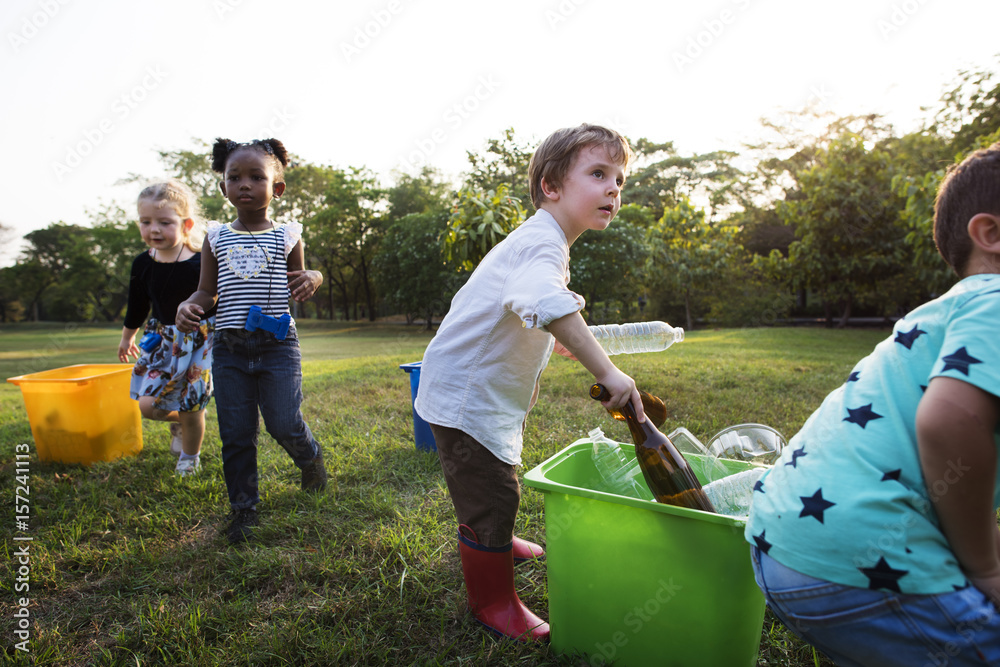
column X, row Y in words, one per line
column 479, row 376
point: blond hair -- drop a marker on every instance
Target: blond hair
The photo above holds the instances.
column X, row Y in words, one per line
column 554, row 156
column 182, row 199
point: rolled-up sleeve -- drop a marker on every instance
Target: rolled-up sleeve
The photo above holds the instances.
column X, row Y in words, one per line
column 537, row 289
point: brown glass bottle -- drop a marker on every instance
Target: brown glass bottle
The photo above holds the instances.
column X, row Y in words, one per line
column 654, row 407
column 668, row 475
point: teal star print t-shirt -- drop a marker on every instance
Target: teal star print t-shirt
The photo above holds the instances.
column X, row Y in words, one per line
column 846, row 502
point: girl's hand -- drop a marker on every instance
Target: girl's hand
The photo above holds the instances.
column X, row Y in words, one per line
column 303, row 284
column 188, row 317
column 622, row 389
column 127, row 348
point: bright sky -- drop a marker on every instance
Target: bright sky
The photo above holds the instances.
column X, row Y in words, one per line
column 94, row 89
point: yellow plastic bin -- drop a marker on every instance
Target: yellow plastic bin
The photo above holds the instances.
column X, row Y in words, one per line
column 82, row 413
column 635, row 582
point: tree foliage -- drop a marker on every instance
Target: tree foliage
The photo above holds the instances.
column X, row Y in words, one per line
column 412, row 275
column 687, row 256
column 608, row 266
column 661, row 178
column 344, row 237
column 424, row 193
column 848, row 243
column 837, row 210
column 504, row 163
column 479, row 220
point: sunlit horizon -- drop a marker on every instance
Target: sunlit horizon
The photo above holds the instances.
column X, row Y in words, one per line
column 391, row 85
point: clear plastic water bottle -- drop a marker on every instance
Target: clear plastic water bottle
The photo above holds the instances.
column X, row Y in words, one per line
column 733, row 495
column 636, row 337
column 756, row 443
column 619, row 475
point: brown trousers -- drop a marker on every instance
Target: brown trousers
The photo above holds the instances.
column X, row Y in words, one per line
column 484, row 489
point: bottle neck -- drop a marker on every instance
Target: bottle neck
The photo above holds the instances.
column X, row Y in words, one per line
column 639, row 433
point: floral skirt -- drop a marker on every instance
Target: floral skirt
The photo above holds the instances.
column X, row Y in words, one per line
column 178, row 372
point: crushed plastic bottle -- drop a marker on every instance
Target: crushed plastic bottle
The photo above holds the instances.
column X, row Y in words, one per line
column 636, row 337
column 756, row 443
column 618, row 474
column 733, row 495
column 692, row 448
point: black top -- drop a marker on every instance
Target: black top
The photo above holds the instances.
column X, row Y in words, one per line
column 162, row 285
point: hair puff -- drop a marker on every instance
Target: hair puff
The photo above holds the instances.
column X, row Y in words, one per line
column 223, row 148
column 220, row 153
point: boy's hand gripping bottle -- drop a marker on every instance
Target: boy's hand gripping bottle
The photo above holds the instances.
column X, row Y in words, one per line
column 667, row 473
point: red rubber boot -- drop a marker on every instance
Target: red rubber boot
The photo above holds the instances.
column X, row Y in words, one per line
column 525, row 551
column 489, row 580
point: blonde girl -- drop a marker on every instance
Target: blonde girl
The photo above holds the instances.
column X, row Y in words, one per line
column 172, row 377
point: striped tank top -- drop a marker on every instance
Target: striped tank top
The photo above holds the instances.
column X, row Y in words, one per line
column 252, row 271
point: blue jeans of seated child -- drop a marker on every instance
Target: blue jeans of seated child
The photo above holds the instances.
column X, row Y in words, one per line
column 879, row 628
column 254, row 371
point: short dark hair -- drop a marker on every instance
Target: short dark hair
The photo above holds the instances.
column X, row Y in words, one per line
column 223, row 148
column 969, row 188
column 554, row 156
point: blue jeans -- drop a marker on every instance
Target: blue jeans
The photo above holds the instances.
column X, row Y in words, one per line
column 879, row 628
column 251, row 371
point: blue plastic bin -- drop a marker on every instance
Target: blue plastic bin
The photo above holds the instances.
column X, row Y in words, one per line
column 421, row 430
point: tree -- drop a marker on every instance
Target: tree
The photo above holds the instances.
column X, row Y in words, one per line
column 115, row 244
column 194, row 167
column 688, row 256
column 917, row 217
column 11, row 307
column 410, row 271
column 661, row 178
column 849, row 247
column 970, row 110
column 8, row 241
column 423, row 193
column 53, row 255
column 344, row 237
column 504, row 163
column 761, row 231
column 479, row 220
column 608, row 265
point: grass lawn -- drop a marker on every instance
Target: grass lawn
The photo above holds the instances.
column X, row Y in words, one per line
column 129, row 564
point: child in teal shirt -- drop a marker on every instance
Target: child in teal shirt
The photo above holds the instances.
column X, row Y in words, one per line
column 875, row 536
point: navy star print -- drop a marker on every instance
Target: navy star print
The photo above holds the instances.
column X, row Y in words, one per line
column 883, row 576
column 814, row 506
column 906, row 339
column 762, row 544
column 959, row 360
column 854, row 376
column 801, row 451
column 861, row 416
column 892, row 476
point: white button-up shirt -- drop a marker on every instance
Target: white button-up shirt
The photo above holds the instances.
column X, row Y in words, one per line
column 480, row 372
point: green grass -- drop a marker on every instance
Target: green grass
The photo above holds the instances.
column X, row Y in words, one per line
column 129, row 565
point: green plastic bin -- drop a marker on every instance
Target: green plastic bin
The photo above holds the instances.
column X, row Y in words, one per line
column 636, row 582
